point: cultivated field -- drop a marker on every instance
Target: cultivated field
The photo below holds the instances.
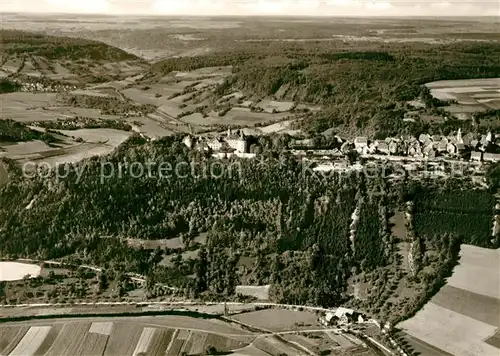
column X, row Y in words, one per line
column 478, row 271
column 174, row 334
column 67, row 70
column 149, row 127
column 31, row 341
column 117, row 338
column 13, row 271
column 75, row 146
column 109, row 137
column 278, row 319
column 29, row 106
column 472, row 95
column 470, row 302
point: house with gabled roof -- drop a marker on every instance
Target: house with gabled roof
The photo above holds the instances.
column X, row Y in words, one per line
column 393, row 147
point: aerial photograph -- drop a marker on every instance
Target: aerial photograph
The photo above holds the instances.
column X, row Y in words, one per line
column 249, row 178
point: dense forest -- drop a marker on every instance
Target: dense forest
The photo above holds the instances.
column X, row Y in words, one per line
column 468, row 215
column 292, row 227
column 274, row 214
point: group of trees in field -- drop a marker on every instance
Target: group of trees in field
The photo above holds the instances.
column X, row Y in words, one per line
column 8, row 86
column 84, row 123
column 14, row 131
column 107, row 105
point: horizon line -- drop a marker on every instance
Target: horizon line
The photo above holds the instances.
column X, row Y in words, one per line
column 242, row 15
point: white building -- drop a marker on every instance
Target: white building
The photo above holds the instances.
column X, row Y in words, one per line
column 188, row 141
column 476, row 156
column 215, row 144
column 491, row 157
column 360, row 142
column 239, row 144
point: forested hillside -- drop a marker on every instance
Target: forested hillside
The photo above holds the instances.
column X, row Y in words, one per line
column 294, row 228
column 291, row 226
column 13, row 131
column 52, row 62
column 362, row 87
column 51, row 47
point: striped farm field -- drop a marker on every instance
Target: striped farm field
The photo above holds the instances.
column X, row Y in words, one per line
column 463, row 318
column 11, row 339
column 31, row 341
column 198, row 343
column 93, row 345
column 123, row 331
column 188, row 342
column 223, row 343
column 159, row 342
column 144, row 341
column 49, row 340
column 69, row 339
column 101, row 328
column 175, row 346
column 119, row 337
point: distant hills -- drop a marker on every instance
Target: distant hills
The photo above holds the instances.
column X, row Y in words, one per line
column 362, row 87
column 51, row 47
column 65, row 59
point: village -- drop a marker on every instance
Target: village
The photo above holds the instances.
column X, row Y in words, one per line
column 457, row 147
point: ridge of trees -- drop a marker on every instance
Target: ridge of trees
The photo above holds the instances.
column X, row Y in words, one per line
column 14, row 131
column 54, row 47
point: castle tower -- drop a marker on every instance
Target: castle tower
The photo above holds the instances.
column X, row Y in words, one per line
column 489, row 137
column 459, row 136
